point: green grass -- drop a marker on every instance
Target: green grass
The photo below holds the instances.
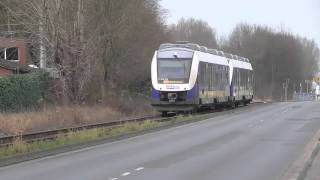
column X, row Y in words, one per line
column 72, row 138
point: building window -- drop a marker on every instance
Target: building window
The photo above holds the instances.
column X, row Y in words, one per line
column 2, row 51
column 10, row 54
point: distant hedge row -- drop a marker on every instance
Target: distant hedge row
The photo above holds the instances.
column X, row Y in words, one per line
column 23, row 92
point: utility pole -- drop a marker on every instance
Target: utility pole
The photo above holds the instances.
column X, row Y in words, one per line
column 285, row 86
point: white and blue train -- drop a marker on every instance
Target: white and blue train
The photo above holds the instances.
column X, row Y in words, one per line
column 187, row 77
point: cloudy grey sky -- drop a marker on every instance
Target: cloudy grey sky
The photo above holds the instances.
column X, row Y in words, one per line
column 297, row 16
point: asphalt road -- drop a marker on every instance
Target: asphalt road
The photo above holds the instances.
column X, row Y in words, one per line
column 255, row 144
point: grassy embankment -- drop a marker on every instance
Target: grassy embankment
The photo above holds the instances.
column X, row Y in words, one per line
column 61, row 117
column 20, row 147
column 56, row 117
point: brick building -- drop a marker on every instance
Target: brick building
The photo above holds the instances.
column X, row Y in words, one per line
column 14, row 55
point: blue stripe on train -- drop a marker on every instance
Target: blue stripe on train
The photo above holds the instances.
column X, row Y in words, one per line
column 155, row 94
column 193, row 93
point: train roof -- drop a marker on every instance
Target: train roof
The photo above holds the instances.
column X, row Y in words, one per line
column 196, row 47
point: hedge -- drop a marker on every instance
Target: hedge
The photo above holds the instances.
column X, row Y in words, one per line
column 22, row 92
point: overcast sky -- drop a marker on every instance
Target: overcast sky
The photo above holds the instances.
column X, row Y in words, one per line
column 297, row 16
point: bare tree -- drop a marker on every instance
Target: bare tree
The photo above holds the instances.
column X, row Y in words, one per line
column 92, row 42
column 276, row 57
column 196, row 31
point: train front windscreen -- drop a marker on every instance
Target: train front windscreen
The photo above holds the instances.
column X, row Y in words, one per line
column 174, row 69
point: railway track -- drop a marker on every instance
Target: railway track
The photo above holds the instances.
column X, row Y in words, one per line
column 52, row 134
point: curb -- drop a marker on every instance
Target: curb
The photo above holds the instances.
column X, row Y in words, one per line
column 300, row 167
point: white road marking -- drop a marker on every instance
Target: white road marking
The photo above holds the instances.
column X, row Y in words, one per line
column 113, row 179
column 139, row 169
column 261, row 120
column 126, row 174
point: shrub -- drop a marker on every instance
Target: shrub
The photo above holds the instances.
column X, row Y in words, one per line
column 22, row 92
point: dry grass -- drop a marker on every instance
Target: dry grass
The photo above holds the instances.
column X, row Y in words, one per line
column 60, row 117
column 20, row 147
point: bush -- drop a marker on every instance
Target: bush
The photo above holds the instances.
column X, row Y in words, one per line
column 22, row 92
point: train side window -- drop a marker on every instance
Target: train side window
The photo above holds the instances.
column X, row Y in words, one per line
column 235, row 73
column 219, row 74
column 226, row 75
column 215, row 77
column 249, row 79
column 222, row 77
column 212, row 77
column 243, row 79
column 218, row 77
column 236, row 77
column 239, row 78
column 208, row 76
column 246, row 79
column 202, row 73
column 252, row 79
